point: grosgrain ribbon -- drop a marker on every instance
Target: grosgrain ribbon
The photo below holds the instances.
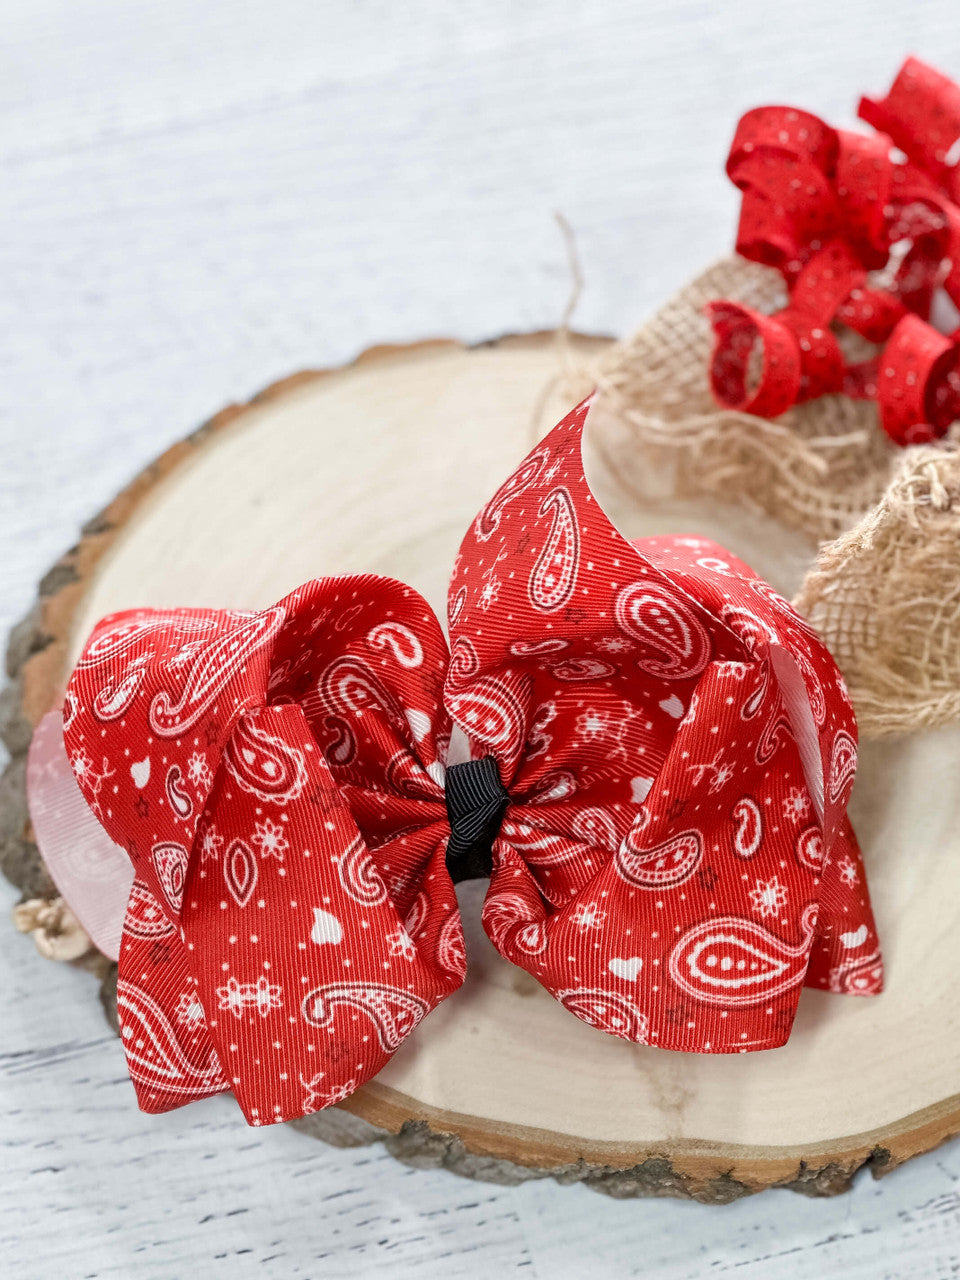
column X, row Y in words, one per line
column 827, row 208
column 661, row 757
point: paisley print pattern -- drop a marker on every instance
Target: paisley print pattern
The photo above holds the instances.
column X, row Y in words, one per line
column 488, row 521
column 514, row 924
column 170, row 861
column 810, row 848
column 843, row 765
column 145, row 917
column 577, row 669
column 731, row 961
column 555, row 573
column 240, row 872
column 607, row 1011
column 160, row 1056
column 451, row 948
column 116, row 696
column 277, row 781
column 348, row 687
column 464, row 663
column 661, row 866
column 491, row 713
column 674, row 642
column 399, row 640
column 263, row 763
column 359, row 877
column 862, row 977
column 749, row 827
column 178, row 797
column 392, row 1012
column 595, row 827
column 209, row 671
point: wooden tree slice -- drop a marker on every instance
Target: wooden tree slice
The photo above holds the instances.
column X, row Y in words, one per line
column 380, row 467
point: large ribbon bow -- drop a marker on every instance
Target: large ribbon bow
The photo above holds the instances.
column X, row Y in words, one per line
column 655, row 755
column 828, row 208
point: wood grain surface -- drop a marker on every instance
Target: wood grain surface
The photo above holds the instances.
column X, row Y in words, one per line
column 197, row 198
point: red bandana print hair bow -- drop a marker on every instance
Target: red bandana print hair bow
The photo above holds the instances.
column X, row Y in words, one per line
column 655, row 759
column 827, row 207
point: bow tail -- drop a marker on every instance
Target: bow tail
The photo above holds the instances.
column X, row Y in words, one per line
column 305, row 971
column 846, row 953
column 170, row 1053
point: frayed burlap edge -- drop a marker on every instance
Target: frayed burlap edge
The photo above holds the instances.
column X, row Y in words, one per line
column 886, row 595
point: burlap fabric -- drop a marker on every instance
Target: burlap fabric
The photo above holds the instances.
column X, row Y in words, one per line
column 884, row 522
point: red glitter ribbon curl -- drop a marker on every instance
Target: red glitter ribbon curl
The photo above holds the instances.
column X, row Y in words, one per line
column 864, row 230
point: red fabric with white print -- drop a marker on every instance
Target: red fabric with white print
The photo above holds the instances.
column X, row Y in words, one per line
column 674, row 863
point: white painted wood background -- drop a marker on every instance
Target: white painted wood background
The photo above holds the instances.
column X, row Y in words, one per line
column 199, row 196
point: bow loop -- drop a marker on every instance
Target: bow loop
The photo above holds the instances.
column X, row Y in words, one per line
column 827, row 208
column 921, row 114
column 682, row 722
column 286, row 825
column 174, row 683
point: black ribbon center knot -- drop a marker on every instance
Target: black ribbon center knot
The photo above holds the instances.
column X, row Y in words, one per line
column 476, row 800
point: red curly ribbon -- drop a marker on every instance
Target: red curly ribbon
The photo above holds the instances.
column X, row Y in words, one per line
column 827, row 207
column 664, row 754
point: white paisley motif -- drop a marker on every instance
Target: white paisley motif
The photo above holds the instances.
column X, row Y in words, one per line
column 815, row 694
column 349, row 686
column 810, row 849
column 539, row 848
column 756, row 634
column 861, row 977
column 170, row 863
column 115, row 697
column 209, row 671
column 145, row 917
column 178, row 797
column 456, row 606
column 529, row 648
column 359, row 875
column 737, row 962
column 776, row 732
column 843, row 764
column 488, row 521
column 110, row 642
column 400, row 640
column 607, row 1011
column 661, row 866
column 575, row 669
column 342, row 750
column 156, row 1057
column 464, row 663
column 559, row 785
column 263, row 764
column 451, row 949
column 555, row 573
column 510, row 920
column 596, row 827
column 749, row 828
column 394, row 1013
column 489, row 712
column 676, row 642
